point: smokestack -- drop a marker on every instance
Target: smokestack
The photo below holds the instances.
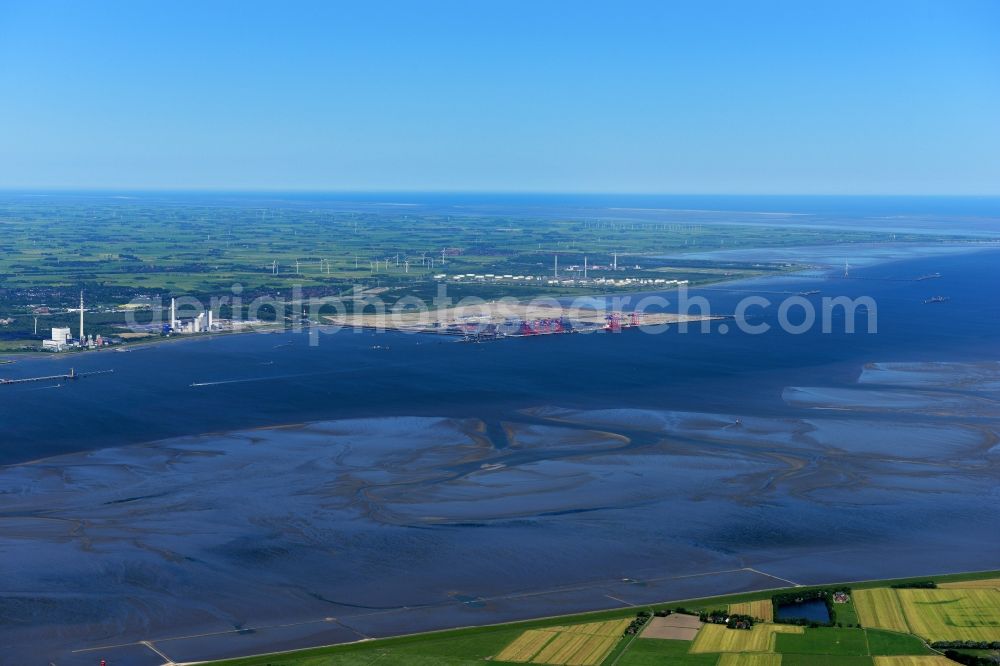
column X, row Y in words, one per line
column 81, row 317
column 555, row 267
column 173, row 313
column 210, row 320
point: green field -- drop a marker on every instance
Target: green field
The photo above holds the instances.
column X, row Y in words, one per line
column 823, row 660
column 658, row 652
column 749, row 660
column 890, row 643
column 765, row 645
column 824, row 640
column 847, row 614
column 912, row 661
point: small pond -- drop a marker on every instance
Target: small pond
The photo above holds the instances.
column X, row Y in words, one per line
column 813, row 610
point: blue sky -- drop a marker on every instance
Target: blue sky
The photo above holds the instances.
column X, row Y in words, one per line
column 836, row 97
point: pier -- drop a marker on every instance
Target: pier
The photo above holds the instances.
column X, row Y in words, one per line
column 72, row 375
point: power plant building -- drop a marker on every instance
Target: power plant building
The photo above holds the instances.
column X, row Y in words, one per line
column 58, row 341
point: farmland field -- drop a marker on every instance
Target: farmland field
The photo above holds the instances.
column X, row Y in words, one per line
column 659, row 652
column 987, row 583
column 526, row 646
column 879, row 608
column 847, row 614
column 762, row 609
column 889, row 642
column 749, row 660
column 935, row 660
column 576, row 645
column 943, row 615
column 568, row 648
column 823, row 660
column 717, row 638
column 824, row 640
column 611, row 629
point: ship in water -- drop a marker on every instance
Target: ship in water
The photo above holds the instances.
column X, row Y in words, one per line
column 811, row 292
column 936, row 299
column 929, row 276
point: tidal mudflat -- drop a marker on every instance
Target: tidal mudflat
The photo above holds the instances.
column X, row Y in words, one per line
column 297, row 533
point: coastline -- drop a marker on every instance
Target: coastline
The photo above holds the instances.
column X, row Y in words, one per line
column 456, row 633
column 966, row 247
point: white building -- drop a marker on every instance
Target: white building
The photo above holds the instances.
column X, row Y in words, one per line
column 58, row 341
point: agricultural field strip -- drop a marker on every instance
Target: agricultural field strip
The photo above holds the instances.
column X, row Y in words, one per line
column 879, row 608
column 607, row 628
column 762, row 609
column 718, row 638
column 944, row 615
column 581, row 644
column 591, row 652
column 582, row 649
column 986, row 583
column 971, row 613
column 733, row 659
column 913, row 661
column 527, row 645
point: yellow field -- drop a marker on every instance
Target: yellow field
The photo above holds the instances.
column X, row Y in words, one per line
column 749, row 660
column 526, row 646
column 934, row 660
column 717, row 638
column 972, row 584
column 961, row 615
column 612, row 628
column 762, row 609
column 593, row 651
column 573, row 645
column 879, row 608
column 577, row 649
column 561, row 649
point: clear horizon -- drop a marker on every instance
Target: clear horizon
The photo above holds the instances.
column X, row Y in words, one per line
column 655, row 99
column 483, row 192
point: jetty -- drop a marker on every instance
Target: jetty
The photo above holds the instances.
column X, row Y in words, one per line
column 70, row 376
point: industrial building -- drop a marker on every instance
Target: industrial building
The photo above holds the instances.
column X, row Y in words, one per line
column 202, row 323
column 58, row 341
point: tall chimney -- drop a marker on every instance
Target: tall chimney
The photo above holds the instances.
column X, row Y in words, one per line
column 173, row 313
column 81, row 317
